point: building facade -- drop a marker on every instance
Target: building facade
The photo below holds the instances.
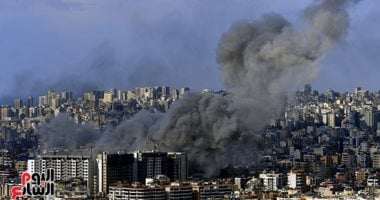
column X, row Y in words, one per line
column 65, row 167
column 113, row 168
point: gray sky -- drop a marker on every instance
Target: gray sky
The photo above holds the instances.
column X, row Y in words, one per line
column 99, row 44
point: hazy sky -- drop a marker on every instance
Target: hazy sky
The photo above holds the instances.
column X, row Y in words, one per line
column 90, row 44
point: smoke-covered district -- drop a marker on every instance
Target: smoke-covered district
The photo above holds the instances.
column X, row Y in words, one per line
column 260, row 61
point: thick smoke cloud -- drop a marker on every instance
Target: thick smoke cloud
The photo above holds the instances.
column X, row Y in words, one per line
column 82, row 134
column 260, row 62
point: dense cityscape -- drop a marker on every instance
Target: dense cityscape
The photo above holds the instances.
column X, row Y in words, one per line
column 324, row 145
column 268, row 134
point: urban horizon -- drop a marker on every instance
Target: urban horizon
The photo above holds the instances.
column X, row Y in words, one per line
column 106, row 99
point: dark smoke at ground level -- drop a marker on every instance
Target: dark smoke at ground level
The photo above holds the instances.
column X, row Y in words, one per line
column 260, row 62
column 203, row 125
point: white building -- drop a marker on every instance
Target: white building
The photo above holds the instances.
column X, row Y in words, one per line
column 297, row 179
column 65, row 167
column 272, row 181
column 136, row 192
column 373, row 181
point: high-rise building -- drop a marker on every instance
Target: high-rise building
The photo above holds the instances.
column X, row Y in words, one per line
column 150, row 164
column 363, row 159
column 137, row 166
column 108, row 97
column 331, row 120
column 175, row 94
column 113, row 168
column 5, row 112
column 88, row 96
column 18, row 103
column 32, row 166
column 272, row 181
column 32, row 112
column 140, row 92
column 52, row 97
column 348, row 158
column 178, row 169
column 54, row 103
column 131, row 95
column 297, row 179
column 8, row 134
column 371, row 117
column 42, row 101
column 376, row 160
column 330, row 160
column 65, row 166
column 67, row 96
column 162, row 92
column 122, row 95
column 149, row 93
column 30, row 101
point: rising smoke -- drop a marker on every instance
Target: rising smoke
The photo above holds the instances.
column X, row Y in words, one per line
column 260, row 62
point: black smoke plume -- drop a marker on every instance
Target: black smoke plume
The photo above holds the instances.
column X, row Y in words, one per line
column 260, row 62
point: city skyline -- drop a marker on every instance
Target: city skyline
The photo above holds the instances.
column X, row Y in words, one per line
column 195, row 99
column 328, row 137
column 34, row 99
column 65, row 45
